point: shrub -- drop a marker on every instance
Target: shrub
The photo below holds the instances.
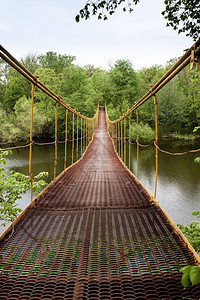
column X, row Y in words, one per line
column 146, row 133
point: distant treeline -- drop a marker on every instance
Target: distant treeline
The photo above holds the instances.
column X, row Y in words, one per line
column 83, row 87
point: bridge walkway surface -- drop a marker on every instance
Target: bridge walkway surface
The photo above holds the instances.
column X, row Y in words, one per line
column 95, row 233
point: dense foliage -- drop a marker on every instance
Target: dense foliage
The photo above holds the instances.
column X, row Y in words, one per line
column 184, row 16
column 83, row 87
column 181, row 15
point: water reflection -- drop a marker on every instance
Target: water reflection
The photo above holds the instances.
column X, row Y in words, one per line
column 178, row 189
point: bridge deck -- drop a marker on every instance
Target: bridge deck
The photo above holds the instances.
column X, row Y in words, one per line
column 95, row 233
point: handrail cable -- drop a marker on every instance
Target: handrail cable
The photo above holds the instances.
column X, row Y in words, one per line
column 126, row 140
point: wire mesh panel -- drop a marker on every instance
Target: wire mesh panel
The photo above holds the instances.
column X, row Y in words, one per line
column 95, row 245
column 94, row 234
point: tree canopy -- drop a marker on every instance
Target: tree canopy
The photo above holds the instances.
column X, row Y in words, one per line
column 181, row 15
column 83, row 87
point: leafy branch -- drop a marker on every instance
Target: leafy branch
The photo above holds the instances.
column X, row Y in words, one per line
column 192, row 231
column 181, row 15
column 11, row 188
column 191, row 274
column 103, row 8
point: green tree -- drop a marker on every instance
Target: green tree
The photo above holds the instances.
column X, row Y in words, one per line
column 101, row 84
column 146, row 78
column 6, row 71
column 43, row 104
column 73, row 77
column 14, row 90
column 30, row 62
column 8, row 131
column 178, row 101
column 22, row 118
column 124, row 81
column 90, row 70
column 170, row 109
column 55, row 61
column 15, row 87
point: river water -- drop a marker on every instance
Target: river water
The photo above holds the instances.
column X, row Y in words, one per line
column 178, row 189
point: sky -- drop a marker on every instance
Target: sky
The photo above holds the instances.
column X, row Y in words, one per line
column 38, row 26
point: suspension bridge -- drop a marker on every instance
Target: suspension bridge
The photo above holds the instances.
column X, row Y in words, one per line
column 95, row 232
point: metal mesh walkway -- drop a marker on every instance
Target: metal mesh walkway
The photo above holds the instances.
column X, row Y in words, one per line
column 95, row 233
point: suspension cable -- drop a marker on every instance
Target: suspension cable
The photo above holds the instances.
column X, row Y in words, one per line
column 121, row 141
column 156, row 141
column 129, row 161
column 77, row 138
column 81, row 136
column 118, row 124
column 137, row 112
column 31, row 142
column 85, row 133
column 124, row 140
column 72, row 138
column 65, row 161
column 56, row 146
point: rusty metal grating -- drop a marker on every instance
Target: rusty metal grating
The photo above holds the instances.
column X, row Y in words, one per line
column 107, row 240
column 125, row 287
column 92, row 242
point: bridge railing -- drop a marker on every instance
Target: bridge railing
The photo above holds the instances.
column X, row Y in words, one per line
column 83, row 127
column 118, row 128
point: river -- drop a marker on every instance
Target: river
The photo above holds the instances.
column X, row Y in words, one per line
column 178, row 189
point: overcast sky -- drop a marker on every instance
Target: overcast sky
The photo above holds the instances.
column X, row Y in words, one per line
column 38, row 26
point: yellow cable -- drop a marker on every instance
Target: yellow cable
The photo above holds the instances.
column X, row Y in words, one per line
column 72, row 138
column 65, row 162
column 31, row 140
column 129, row 162
column 121, row 142
column 81, row 136
column 125, row 141
column 77, row 139
column 156, row 125
column 137, row 141
column 56, row 154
